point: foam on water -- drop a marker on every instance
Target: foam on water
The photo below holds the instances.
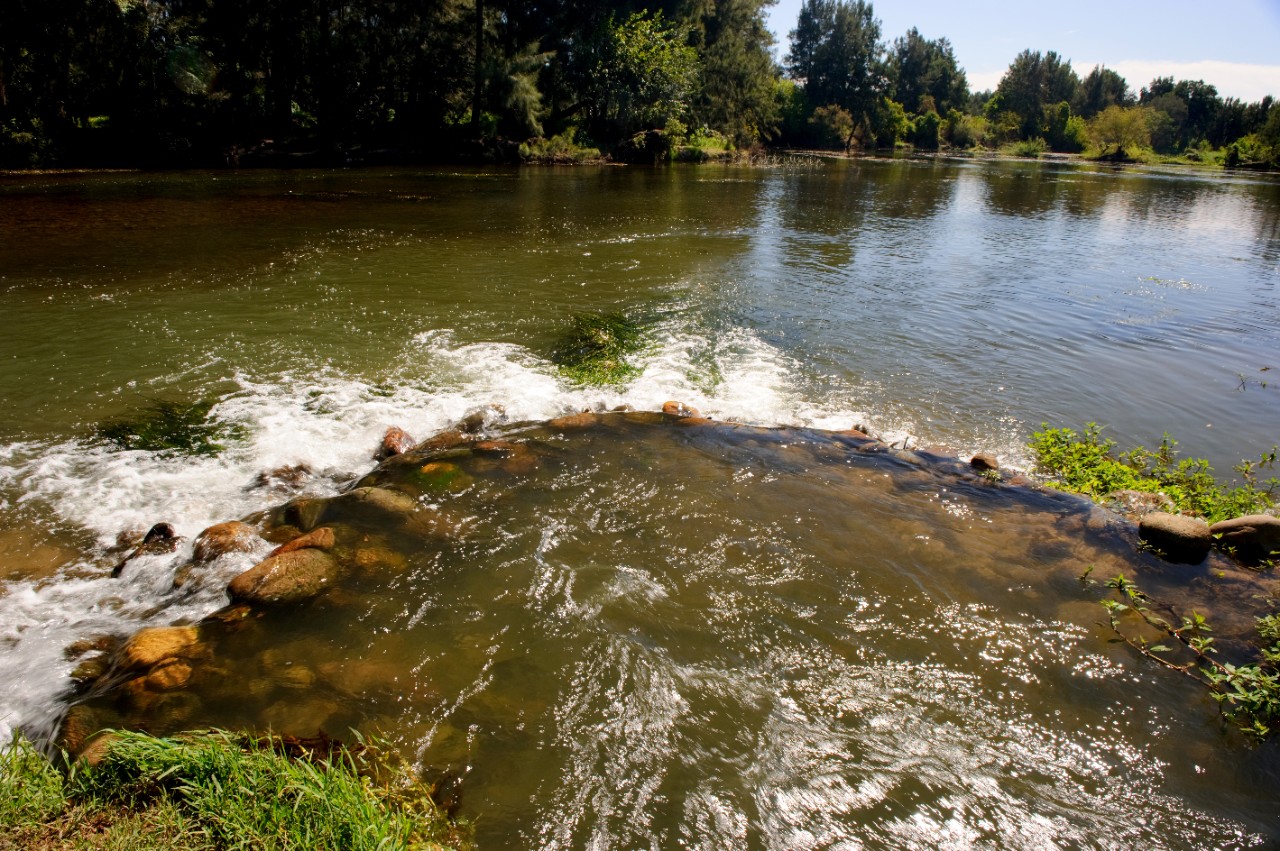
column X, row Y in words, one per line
column 329, row 422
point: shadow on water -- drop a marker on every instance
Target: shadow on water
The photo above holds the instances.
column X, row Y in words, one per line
column 628, row 629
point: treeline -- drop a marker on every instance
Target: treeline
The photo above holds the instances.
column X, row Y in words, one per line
column 181, row 82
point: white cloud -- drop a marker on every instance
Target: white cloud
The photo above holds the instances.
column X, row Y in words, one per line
column 1232, row 79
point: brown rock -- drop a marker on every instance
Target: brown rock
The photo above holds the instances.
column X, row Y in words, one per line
column 984, row 461
column 1177, row 538
column 169, row 676
column 317, row 539
column 148, row 647
column 586, row 419
column 304, row 514
column 89, row 670
column 374, row 502
column 395, row 442
column 99, row 644
column 379, row 558
column 97, row 748
column 286, row 477
column 501, row 448
column 287, row 578
column 444, row 440
column 232, row 537
column 79, row 725
column 679, row 409
column 1254, row 537
column 361, row 677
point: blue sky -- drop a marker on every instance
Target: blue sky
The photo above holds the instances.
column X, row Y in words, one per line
column 1233, row 45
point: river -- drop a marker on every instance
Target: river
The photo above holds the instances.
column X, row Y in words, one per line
column 660, row 636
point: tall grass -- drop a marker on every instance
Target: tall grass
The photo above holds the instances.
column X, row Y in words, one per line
column 215, row 789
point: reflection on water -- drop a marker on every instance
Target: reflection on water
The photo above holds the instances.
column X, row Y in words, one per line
column 642, row 633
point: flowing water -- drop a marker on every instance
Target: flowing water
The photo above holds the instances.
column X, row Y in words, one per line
column 638, row 633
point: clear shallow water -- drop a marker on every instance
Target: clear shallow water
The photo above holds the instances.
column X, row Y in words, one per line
column 959, row 304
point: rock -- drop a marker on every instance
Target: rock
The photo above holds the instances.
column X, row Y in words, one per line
column 160, row 538
column 1254, row 537
column 984, row 461
column 97, row 748
column 287, row 578
column 679, row 409
column 476, row 421
column 148, row 647
column 361, row 677
column 444, row 440
column 172, row 675
column 371, row 559
column 223, row 538
column 501, row 448
column 317, row 539
column 1177, row 538
column 304, row 514
column 1137, row 503
column 99, row 644
column 127, row 539
column 81, row 723
column 284, row 478
column 375, row 502
column 395, row 442
column 586, row 419
column 89, row 670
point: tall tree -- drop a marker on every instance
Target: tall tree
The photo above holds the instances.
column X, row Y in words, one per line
column 1100, row 89
column 921, row 69
column 737, row 72
column 1033, row 83
column 837, row 54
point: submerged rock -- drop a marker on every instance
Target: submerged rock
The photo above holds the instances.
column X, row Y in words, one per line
column 286, row 578
column 160, row 538
column 1134, row 504
column 223, row 538
column 317, row 539
column 395, row 442
column 1253, row 538
column 585, row 419
column 288, row 477
column 148, row 647
column 1178, row 538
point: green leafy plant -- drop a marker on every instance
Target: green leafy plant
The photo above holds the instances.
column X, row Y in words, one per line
column 170, row 427
column 1089, row 464
column 1248, row 694
column 595, row 347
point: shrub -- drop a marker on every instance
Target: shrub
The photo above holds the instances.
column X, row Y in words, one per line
column 1030, row 148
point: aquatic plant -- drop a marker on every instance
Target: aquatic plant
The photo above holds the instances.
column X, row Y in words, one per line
column 1248, row 694
column 1089, row 464
column 218, row 790
column 595, row 347
column 169, row 427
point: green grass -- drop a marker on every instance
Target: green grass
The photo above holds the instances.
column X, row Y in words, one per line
column 1089, row 464
column 216, row 790
column 170, row 427
column 595, row 348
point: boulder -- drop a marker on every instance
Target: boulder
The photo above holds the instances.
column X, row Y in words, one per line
column 148, row 647
column 374, row 502
column 317, row 539
column 1253, row 538
column 1178, row 538
column 586, row 419
column 395, row 442
column 160, row 538
column 223, row 538
column 173, row 674
column 984, row 461
column 679, row 409
column 287, row 578
column 284, row 478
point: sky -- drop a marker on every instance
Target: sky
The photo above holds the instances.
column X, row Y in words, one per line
column 1234, row 45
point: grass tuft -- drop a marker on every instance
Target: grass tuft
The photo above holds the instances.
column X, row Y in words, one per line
column 217, row 790
column 595, row 347
column 172, row 428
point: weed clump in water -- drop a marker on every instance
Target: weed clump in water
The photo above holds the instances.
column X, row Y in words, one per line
column 172, row 428
column 595, row 347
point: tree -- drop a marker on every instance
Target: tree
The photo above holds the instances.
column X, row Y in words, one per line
column 737, row 72
column 1100, row 89
column 836, row 53
column 1033, row 83
column 1121, row 127
column 920, row 68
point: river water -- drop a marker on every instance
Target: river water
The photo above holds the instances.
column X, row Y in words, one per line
column 661, row 636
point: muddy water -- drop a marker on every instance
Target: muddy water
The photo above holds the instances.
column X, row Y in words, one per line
column 630, row 630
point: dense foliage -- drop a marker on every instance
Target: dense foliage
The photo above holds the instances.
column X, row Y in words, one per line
column 1089, row 464
column 199, row 82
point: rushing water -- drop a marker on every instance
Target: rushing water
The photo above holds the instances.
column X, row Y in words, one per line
column 661, row 636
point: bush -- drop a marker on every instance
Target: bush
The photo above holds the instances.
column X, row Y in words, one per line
column 1030, row 148
column 561, row 148
column 832, row 127
column 925, row 131
column 1088, row 464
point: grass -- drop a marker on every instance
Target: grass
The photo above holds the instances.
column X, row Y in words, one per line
column 170, row 427
column 594, row 349
column 558, row 150
column 1029, row 148
column 217, row 790
column 1089, row 464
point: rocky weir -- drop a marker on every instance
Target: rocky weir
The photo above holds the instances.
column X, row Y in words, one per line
column 373, row 610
